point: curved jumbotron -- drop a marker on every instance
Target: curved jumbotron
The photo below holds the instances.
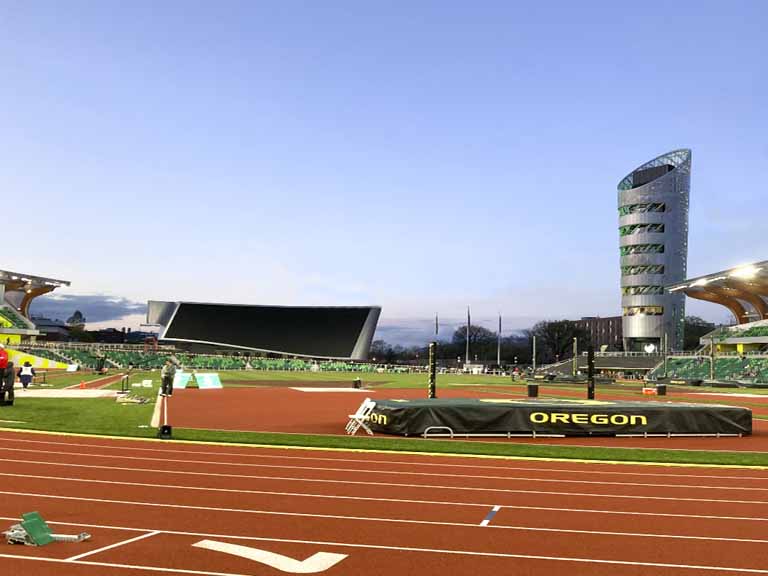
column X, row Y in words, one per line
column 338, row 332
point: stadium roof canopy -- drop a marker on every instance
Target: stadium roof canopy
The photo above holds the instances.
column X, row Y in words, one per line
column 20, row 289
column 743, row 290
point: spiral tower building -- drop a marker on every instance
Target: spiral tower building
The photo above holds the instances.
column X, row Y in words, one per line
column 653, row 242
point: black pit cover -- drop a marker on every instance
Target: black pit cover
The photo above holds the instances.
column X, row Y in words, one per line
column 568, row 417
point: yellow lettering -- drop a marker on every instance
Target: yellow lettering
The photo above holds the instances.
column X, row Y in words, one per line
column 562, row 418
column 638, row 419
column 379, row 419
column 619, row 419
column 599, row 419
column 579, row 419
column 539, row 417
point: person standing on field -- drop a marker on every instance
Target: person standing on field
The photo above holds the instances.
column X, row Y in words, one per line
column 167, row 373
column 7, row 378
column 26, row 374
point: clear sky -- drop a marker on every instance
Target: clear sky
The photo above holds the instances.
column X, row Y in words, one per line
column 422, row 156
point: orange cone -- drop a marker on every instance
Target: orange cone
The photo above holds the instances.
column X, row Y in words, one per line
column 82, row 385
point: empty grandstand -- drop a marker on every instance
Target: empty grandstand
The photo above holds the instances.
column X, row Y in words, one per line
column 743, row 290
column 746, row 370
column 613, row 365
column 737, row 353
column 16, row 293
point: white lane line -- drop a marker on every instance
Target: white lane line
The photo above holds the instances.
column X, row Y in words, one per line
column 403, row 549
column 398, row 473
column 125, row 566
column 419, row 462
column 394, row 500
column 155, row 421
column 489, row 517
column 369, row 547
column 402, row 485
column 111, row 546
column 385, row 520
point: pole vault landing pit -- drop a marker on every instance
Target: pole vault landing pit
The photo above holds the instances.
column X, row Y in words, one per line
column 545, row 417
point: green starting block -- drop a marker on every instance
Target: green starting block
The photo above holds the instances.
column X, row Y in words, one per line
column 34, row 531
column 27, row 516
column 38, row 532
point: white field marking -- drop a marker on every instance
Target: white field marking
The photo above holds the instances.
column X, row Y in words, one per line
column 111, row 546
column 351, row 545
column 398, row 500
column 397, row 462
column 154, row 422
column 12, row 421
column 398, row 549
column 111, row 376
column 318, row 562
column 732, row 395
column 401, row 485
column 397, row 473
column 126, row 566
column 385, row 520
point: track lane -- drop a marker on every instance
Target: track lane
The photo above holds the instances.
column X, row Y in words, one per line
column 387, row 504
column 319, row 519
column 377, row 473
column 461, row 539
column 362, row 488
column 366, row 529
column 395, row 461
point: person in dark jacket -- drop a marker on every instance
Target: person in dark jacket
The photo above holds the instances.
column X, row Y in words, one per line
column 167, row 375
column 7, row 379
column 26, row 374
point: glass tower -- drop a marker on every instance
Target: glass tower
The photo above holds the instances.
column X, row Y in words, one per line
column 653, row 244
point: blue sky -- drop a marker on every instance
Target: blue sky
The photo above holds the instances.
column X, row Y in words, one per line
column 423, row 156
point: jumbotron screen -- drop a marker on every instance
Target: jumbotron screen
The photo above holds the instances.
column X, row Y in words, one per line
column 309, row 331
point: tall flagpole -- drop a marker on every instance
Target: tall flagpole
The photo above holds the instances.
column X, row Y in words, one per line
column 466, row 357
column 498, row 347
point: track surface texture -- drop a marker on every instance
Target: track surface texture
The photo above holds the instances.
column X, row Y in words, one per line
column 292, row 411
column 151, row 507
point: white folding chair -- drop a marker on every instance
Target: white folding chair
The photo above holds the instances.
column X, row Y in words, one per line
column 360, row 418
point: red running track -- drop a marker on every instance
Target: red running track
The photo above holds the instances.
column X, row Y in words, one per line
column 148, row 503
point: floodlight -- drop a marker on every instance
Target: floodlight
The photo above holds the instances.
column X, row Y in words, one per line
column 745, row 272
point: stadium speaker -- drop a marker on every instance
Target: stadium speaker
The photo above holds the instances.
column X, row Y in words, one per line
column 164, row 432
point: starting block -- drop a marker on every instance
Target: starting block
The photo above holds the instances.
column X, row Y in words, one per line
column 34, row 531
column 649, row 391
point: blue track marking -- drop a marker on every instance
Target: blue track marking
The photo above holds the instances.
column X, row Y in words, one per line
column 491, row 514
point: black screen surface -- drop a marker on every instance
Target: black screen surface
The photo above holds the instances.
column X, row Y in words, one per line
column 308, row 331
column 649, row 174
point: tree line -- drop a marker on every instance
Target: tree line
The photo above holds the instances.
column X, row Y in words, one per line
column 554, row 342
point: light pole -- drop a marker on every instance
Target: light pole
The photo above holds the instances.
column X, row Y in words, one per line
column 575, row 356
